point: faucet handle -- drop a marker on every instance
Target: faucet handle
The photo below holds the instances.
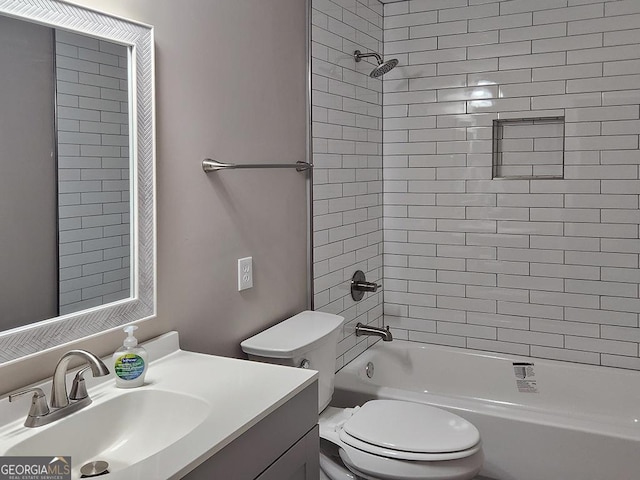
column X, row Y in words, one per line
column 359, row 286
column 39, row 405
column 78, row 388
column 365, row 286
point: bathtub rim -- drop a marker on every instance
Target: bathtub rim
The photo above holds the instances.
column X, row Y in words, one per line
column 587, row 422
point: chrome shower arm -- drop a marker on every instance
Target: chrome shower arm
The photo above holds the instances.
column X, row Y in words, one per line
column 382, row 68
column 359, row 56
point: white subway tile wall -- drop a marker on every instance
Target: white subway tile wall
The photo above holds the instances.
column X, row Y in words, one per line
column 93, row 172
column 545, row 268
column 347, row 154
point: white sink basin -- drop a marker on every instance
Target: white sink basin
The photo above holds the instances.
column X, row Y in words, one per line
column 121, row 430
column 190, row 408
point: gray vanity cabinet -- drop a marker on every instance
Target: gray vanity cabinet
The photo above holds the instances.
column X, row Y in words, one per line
column 300, row 462
column 282, row 446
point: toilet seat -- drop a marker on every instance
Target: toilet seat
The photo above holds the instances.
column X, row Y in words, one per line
column 396, row 429
column 368, row 466
column 384, row 439
column 399, row 455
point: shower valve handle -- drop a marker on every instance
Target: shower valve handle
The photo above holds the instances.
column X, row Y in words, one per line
column 365, row 286
column 359, row 286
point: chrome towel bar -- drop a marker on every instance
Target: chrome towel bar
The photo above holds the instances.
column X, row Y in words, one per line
column 210, row 165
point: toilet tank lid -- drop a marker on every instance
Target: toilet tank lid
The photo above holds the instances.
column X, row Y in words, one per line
column 293, row 336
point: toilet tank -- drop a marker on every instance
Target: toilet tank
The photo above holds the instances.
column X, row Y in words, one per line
column 310, row 336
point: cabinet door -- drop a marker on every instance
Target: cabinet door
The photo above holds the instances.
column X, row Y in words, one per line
column 300, row 462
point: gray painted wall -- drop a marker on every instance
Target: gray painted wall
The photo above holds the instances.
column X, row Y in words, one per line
column 27, row 175
column 230, row 84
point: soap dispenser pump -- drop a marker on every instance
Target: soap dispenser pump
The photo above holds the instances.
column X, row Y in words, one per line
column 130, row 361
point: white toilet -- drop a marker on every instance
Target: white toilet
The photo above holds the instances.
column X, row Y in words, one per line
column 382, row 439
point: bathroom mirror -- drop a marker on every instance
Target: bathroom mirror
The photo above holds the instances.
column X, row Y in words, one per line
column 77, row 207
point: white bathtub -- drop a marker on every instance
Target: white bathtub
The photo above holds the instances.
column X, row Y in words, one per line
column 563, row 421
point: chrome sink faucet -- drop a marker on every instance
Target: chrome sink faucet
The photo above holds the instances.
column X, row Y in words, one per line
column 62, row 404
column 59, row 397
column 384, row 333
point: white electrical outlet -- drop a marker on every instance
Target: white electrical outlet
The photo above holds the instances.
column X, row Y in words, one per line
column 245, row 273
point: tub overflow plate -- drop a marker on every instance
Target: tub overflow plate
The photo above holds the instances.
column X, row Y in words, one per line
column 369, row 369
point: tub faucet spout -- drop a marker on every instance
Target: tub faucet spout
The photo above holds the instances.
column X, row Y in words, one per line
column 383, row 333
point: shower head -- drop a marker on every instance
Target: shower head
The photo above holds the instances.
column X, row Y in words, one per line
column 382, row 68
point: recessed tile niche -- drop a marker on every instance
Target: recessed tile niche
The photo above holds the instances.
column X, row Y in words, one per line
column 528, row 148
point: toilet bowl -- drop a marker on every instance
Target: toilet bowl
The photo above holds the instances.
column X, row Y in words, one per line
column 392, row 439
column 382, row 439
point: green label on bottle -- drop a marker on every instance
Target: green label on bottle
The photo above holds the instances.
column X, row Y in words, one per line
column 129, row 366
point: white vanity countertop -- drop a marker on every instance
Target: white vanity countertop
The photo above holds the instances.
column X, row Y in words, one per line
column 239, row 394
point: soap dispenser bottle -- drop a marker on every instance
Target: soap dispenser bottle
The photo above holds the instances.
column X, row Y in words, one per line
column 130, row 361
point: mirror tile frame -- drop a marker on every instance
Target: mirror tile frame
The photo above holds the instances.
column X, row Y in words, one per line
column 34, row 338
